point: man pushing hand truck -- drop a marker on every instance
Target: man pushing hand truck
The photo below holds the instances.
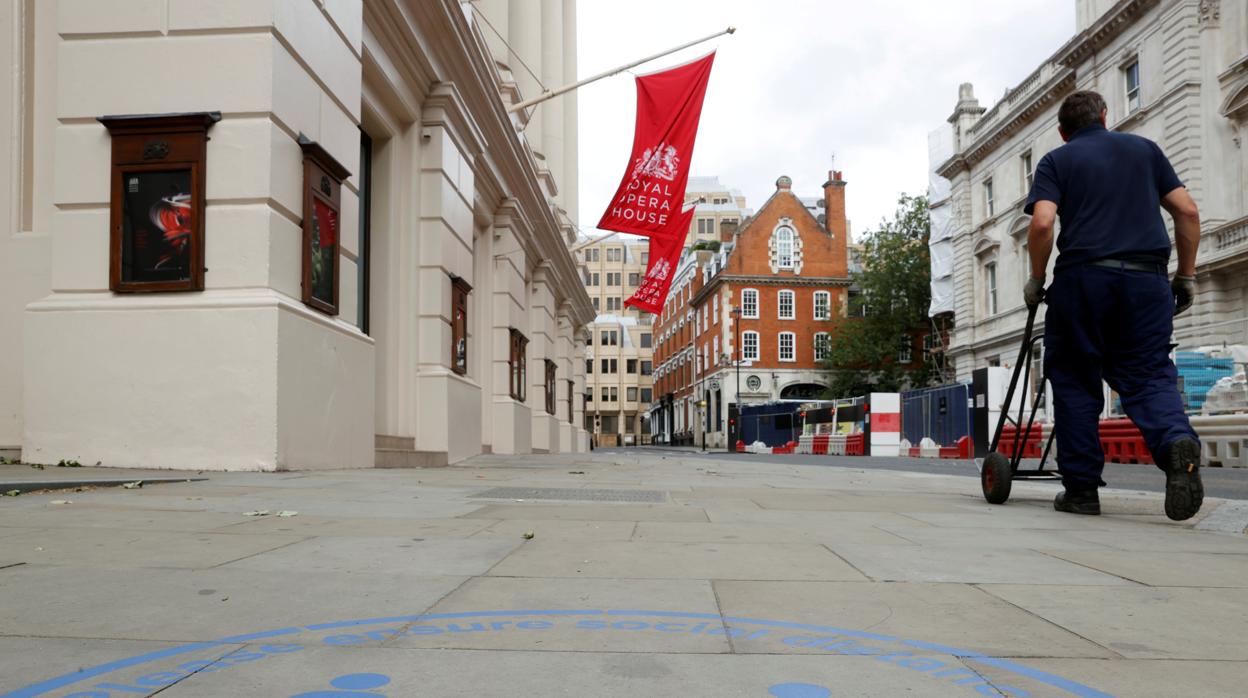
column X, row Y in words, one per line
column 1111, row 306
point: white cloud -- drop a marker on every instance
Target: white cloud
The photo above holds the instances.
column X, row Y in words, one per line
column 803, row 79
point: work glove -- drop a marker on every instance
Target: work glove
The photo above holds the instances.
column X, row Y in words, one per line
column 1184, row 289
column 1033, row 292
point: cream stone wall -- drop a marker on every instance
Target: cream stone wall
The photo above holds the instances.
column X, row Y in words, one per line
column 1193, row 60
column 243, row 375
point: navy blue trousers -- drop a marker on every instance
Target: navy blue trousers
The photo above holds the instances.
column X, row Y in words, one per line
column 1110, row 324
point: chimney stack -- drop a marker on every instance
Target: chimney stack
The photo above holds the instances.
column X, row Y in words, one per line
column 727, row 231
column 834, row 205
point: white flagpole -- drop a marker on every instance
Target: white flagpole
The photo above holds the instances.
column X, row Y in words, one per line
column 551, row 94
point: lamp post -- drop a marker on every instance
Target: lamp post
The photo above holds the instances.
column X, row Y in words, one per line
column 736, row 350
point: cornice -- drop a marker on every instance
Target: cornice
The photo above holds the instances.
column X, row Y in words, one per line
column 1114, row 22
column 445, row 107
column 464, row 59
column 1024, row 114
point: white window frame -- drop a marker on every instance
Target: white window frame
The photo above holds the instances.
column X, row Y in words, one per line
column 746, row 354
column 715, row 350
column 1029, row 171
column 780, row 305
column 826, row 297
column 715, row 309
column 989, row 202
column 782, row 233
column 1132, row 94
column 905, row 350
column 745, row 304
column 823, row 345
column 990, row 288
column 780, row 344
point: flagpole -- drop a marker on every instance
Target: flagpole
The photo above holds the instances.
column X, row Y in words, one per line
column 614, row 71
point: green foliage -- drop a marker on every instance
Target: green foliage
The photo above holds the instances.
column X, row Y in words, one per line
column 68, row 464
column 894, row 285
column 712, row 245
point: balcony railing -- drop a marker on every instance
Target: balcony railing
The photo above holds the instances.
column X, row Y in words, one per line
column 1227, row 241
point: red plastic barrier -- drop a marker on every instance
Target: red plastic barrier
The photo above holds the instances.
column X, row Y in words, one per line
column 855, row 444
column 1121, row 441
column 740, row 446
column 819, row 444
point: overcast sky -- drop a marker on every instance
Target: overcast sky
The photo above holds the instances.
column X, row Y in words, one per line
column 803, row 79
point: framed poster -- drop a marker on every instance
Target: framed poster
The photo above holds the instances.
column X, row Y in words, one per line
column 156, row 209
column 322, row 231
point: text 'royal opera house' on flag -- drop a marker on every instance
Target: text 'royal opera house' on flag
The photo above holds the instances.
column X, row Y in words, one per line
column 664, row 256
column 652, row 192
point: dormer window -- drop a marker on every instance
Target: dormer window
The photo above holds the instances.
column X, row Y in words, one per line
column 784, row 247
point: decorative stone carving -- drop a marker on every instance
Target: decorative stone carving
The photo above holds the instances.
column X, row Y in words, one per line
column 1210, row 12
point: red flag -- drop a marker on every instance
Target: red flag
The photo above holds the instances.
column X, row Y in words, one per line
column 652, row 191
column 664, row 256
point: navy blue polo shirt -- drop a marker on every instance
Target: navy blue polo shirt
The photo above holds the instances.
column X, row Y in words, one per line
column 1108, row 188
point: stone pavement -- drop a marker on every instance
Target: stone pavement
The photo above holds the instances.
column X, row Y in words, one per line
column 647, row 573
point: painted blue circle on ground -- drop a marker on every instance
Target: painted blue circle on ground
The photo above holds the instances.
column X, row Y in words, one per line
column 799, row 690
column 360, row 681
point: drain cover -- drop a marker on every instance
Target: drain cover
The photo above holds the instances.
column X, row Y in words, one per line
column 572, row 494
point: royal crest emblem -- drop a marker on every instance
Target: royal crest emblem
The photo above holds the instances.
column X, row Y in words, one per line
column 661, row 161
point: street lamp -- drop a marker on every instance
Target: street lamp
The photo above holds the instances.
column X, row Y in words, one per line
column 736, row 350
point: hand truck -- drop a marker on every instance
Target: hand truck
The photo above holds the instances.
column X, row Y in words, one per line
column 997, row 471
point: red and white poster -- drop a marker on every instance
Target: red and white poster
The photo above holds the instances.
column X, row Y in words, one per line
column 652, row 192
column 664, row 256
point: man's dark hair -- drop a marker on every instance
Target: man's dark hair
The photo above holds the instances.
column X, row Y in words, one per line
column 1079, row 110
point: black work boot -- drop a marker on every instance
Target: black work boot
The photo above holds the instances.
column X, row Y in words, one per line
column 1184, row 491
column 1086, row 502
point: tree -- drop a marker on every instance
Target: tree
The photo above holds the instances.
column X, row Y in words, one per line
column 890, row 308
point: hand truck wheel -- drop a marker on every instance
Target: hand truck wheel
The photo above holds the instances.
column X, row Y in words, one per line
column 996, row 477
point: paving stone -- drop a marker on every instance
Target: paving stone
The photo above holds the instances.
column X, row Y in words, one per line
column 91, row 548
column 369, row 555
column 1140, row 678
column 659, row 560
column 580, row 512
column 198, row 605
column 1143, row 622
column 515, row 529
column 388, row 526
column 935, row 613
column 1165, row 569
column 759, row 533
column 898, row 563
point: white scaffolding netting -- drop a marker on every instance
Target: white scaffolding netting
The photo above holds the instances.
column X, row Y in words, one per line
column 940, row 244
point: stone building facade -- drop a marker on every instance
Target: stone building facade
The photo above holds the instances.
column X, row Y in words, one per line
column 460, row 313
column 619, row 349
column 1173, row 71
column 788, row 275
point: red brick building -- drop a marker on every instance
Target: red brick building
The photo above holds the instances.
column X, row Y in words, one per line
column 786, row 271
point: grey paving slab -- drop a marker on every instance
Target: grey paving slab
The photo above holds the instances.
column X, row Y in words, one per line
column 1165, row 540
column 25, row 660
column 404, row 672
column 580, row 512
column 386, row 526
column 79, row 515
column 815, row 520
column 762, row 533
column 619, row 633
column 934, row 613
column 1143, row 622
column 515, row 529
column 1140, row 678
column 427, row 557
column 135, row 549
column 660, row 560
column 198, row 605
column 1165, row 569
column 899, row 503
column 968, row 565
column 997, row 538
